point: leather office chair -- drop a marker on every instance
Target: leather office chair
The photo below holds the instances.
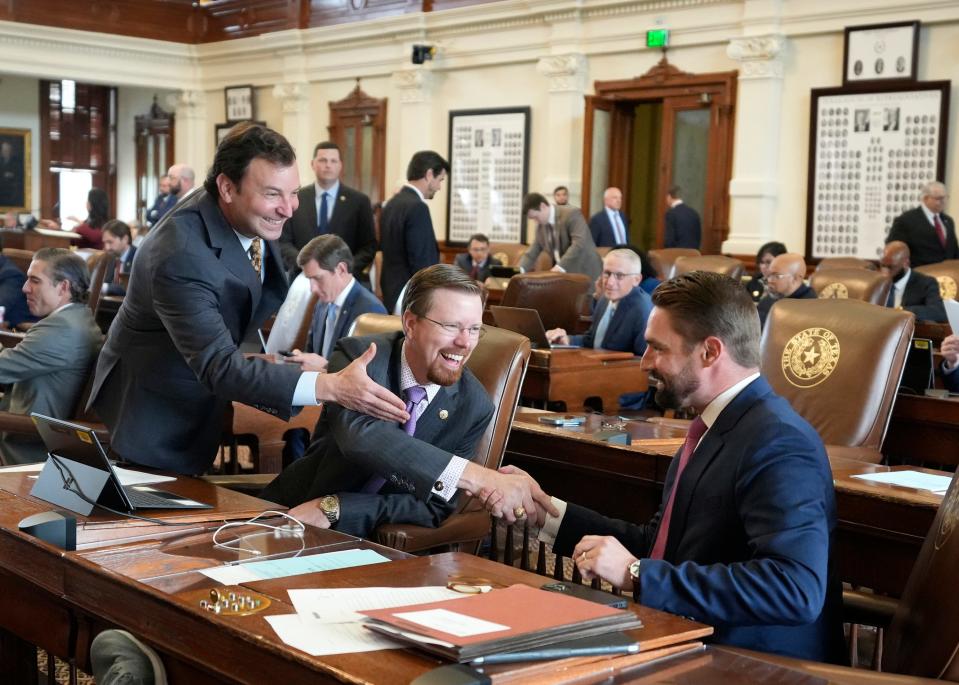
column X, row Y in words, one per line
column 20, row 258
column 719, row 264
column 662, row 260
column 947, row 273
column 559, row 298
column 508, row 253
column 839, row 363
column 846, row 263
column 499, row 362
column 852, row 284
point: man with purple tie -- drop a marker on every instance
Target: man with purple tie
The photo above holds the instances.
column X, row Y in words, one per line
column 360, row 472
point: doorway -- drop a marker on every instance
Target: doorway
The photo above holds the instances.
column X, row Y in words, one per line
column 664, row 128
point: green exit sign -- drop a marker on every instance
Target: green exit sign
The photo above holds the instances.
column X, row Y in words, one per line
column 657, row 38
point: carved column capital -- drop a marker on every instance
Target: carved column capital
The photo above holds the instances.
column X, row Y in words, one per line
column 566, row 73
column 760, row 56
column 415, row 85
column 188, row 103
column 295, row 97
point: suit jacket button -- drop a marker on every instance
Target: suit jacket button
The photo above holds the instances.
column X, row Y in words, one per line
column 438, row 486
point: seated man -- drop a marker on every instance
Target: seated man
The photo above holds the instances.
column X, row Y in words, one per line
column 742, row 537
column 361, row 472
column 619, row 319
column 785, row 279
column 476, row 262
column 50, row 366
column 11, row 294
column 911, row 290
column 950, row 361
column 118, row 241
column 327, row 261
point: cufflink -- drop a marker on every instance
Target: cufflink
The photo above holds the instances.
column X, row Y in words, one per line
column 438, row 486
column 444, row 415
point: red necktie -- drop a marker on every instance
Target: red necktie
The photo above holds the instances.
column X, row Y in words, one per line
column 940, row 231
column 696, row 430
column 116, row 272
column 474, row 273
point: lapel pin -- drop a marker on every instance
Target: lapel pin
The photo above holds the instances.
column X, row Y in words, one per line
column 444, row 414
column 342, row 198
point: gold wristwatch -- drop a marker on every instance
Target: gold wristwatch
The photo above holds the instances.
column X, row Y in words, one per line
column 330, row 506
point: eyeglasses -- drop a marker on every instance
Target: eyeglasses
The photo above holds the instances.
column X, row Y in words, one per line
column 618, row 275
column 775, row 277
column 454, row 329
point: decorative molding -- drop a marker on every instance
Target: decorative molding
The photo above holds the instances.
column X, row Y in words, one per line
column 566, row 73
column 189, row 104
column 415, row 85
column 760, row 56
column 295, row 97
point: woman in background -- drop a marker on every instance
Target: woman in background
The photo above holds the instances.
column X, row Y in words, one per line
column 764, row 258
column 98, row 212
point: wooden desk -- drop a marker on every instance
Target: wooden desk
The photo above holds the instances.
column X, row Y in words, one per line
column 880, row 529
column 573, row 376
column 923, row 430
column 38, row 238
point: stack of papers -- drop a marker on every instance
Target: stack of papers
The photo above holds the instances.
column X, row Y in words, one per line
column 250, row 571
column 910, row 479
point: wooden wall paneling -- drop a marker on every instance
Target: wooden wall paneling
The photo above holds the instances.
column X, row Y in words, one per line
column 328, row 12
column 244, row 18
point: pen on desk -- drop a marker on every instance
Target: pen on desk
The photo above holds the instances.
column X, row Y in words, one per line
column 559, row 653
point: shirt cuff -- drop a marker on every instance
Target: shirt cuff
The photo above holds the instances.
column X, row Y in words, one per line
column 946, row 369
column 561, row 269
column 304, row 395
column 550, row 528
column 450, row 477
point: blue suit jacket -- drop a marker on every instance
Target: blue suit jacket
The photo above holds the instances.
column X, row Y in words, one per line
column 602, row 229
column 627, row 329
column 951, row 381
column 11, row 293
column 359, row 301
column 683, row 228
column 750, row 533
column 407, row 241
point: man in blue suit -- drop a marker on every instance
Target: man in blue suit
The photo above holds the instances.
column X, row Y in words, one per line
column 619, row 320
column 328, row 263
column 118, row 241
column 609, row 226
column 741, row 540
column 683, row 227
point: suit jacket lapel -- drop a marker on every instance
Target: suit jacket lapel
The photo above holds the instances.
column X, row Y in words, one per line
column 227, row 246
column 310, row 199
column 344, row 314
column 429, row 423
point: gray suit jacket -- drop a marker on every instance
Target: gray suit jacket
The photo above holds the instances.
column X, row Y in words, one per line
column 171, row 364
column 348, row 448
column 576, row 247
column 47, row 370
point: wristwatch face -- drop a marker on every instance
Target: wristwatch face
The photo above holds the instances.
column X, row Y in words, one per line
column 634, row 569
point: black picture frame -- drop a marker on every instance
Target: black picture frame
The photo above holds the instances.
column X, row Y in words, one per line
column 895, row 199
column 872, row 68
column 499, row 144
column 15, row 166
column 240, row 103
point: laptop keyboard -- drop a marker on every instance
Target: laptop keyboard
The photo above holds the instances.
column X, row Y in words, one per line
column 146, row 500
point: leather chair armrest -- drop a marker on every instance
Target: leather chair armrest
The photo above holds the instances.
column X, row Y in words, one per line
column 868, row 609
column 251, row 484
column 460, row 528
column 21, row 424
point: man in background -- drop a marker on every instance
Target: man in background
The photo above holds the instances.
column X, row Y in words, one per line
column 929, row 232
column 911, row 290
column 330, row 206
column 786, row 279
column 406, row 229
column 563, row 234
column 609, row 226
column 160, row 204
column 118, row 241
column 561, row 196
column 476, row 262
column 683, row 228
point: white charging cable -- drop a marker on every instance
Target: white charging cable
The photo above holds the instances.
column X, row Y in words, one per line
column 295, row 527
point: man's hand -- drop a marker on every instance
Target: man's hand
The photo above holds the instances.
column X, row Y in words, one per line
column 308, row 361
column 354, row 389
column 309, row 512
column 558, row 268
column 604, row 557
column 557, row 336
column 504, row 493
column 950, row 350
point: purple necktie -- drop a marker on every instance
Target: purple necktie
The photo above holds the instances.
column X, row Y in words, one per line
column 414, row 395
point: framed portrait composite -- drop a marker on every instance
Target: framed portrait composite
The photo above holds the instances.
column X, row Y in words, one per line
column 881, row 52
column 239, row 103
column 15, row 190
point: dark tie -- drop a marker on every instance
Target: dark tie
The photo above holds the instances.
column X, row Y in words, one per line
column 696, row 430
column 116, row 270
column 940, row 231
column 414, row 395
column 474, row 272
column 551, row 237
column 891, row 300
column 323, row 220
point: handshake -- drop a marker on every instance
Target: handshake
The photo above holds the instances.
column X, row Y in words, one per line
column 509, row 493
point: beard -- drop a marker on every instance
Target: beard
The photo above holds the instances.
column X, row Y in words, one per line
column 674, row 391
column 443, row 375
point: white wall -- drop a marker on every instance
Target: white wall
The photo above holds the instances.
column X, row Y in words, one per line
column 20, row 108
column 131, row 102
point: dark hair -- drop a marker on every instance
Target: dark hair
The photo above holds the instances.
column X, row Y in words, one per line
column 647, row 269
column 702, row 303
column 419, row 290
column 675, row 191
column 328, row 145
column 559, row 188
column 478, row 237
column 99, row 207
column 118, row 228
column 244, row 143
column 326, row 250
column 773, row 248
column 533, row 201
column 64, row 265
column 423, row 161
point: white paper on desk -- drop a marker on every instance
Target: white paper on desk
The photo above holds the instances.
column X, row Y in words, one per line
column 910, row 479
column 450, row 622
column 317, row 639
column 130, row 477
column 231, row 574
column 23, row 468
column 340, row 605
column 952, row 313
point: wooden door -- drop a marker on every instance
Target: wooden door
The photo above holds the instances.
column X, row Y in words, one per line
column 598, row 139
column 154, row 154
column 358, row 126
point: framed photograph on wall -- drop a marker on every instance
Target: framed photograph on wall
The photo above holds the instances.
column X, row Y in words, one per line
column 489, row 162
column 220, row 130
column 15, row 190
column 239, row 103
column 870, row 154
column 881, row 52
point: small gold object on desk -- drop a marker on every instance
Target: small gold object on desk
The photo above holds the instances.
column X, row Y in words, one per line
column 228, row 601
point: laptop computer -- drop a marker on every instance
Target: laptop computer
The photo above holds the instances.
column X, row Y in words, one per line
column 525, row 322
column 78, row 474
column 917, row 374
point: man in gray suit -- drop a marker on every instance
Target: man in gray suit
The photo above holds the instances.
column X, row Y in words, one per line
column 328, row 263
column 50, row 366
column 207, row 277
column 563, row 233
column 361, row 472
